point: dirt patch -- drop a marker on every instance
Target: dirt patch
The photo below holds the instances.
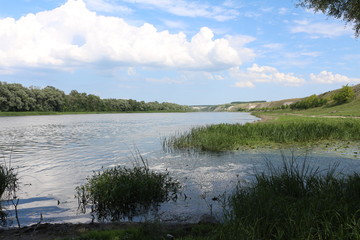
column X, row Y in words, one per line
column 266, row 118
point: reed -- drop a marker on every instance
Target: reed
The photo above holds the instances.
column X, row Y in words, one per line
column 299, row 131
column 8, row 185
column 295, row 201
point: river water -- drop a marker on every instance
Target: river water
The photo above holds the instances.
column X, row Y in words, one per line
column 54, row 154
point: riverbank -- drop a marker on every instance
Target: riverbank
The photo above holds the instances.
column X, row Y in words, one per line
column 47, row 231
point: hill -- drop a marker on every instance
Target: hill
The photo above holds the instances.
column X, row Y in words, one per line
column 330, row 109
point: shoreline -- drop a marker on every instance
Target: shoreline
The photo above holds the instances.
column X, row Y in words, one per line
column 21, row 114
column 49, row 231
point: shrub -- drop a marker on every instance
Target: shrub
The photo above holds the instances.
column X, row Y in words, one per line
column 309, row 102
column 344, row 95
column 120, row 192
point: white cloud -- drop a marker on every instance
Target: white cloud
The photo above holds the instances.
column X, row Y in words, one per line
column 191, row 9
column 310, row 54
column 329, row 77
column 273, row 46
column 131, row 71
column 282, row 11
column 105, row 6
column 264, row 74
column 72, row 35
column 175, row 24
column 247, row 84
column 316, row 30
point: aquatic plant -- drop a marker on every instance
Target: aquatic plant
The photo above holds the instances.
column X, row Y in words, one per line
column 121, row 193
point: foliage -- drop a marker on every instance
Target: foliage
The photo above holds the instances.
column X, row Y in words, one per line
column 344, row 95
column 17, row 98
column 348, row 10
column 289, row 131
column 296, row 201
column 120, row 192
column 309, row 102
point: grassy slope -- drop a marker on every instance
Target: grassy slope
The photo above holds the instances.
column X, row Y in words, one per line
column 349, row 109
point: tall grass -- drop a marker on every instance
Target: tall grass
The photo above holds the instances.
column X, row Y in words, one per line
column 223, row 137
column 295, row 201
column 121, row 193
column 8, row 185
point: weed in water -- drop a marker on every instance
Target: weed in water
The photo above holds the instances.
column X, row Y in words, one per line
column 8, row 186
column 122, row 193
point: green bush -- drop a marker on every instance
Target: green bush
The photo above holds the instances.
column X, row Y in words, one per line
column 344, row 95
column 296, row 201
column 309, row 102
column 120, row 192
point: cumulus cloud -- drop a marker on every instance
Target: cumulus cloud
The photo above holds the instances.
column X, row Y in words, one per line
column 72, row 35
column 316, row 30
column 263, row 74
column 329, row 77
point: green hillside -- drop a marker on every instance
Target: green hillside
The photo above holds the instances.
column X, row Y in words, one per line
column 329, row 107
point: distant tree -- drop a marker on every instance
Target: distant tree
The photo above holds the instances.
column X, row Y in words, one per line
column 309, row 102
column 15, row 97
column 348, row 10
column 344, row 95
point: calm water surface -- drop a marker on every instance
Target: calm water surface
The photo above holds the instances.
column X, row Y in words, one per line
column 54, row 154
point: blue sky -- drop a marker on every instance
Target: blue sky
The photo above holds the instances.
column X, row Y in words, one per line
column 180, row 51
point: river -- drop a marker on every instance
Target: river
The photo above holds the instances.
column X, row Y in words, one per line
column 54, row 154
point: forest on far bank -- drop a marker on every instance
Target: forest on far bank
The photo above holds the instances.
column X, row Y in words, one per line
column 16, row 98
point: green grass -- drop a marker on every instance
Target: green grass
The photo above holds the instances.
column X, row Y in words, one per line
column 150, row 231
column 285, row 131
column 296, row 201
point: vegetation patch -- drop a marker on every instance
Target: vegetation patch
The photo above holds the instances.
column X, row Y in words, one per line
column 8, row 187
column 285, row 131
column 295, row 201
column 122, row 193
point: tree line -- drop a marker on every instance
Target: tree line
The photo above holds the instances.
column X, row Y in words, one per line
column 16, row 98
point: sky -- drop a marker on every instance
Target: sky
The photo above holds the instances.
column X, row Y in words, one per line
column 180, row 51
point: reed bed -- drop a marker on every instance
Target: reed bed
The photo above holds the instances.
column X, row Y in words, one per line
column 289, row 131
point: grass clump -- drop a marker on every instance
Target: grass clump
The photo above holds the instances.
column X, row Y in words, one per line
column 295, row 201
column 122, row 193
column 299, row 131
column 8, row 187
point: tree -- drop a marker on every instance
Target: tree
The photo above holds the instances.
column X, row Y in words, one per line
column 309, row 102
column 344, row 95
column 348, row 10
